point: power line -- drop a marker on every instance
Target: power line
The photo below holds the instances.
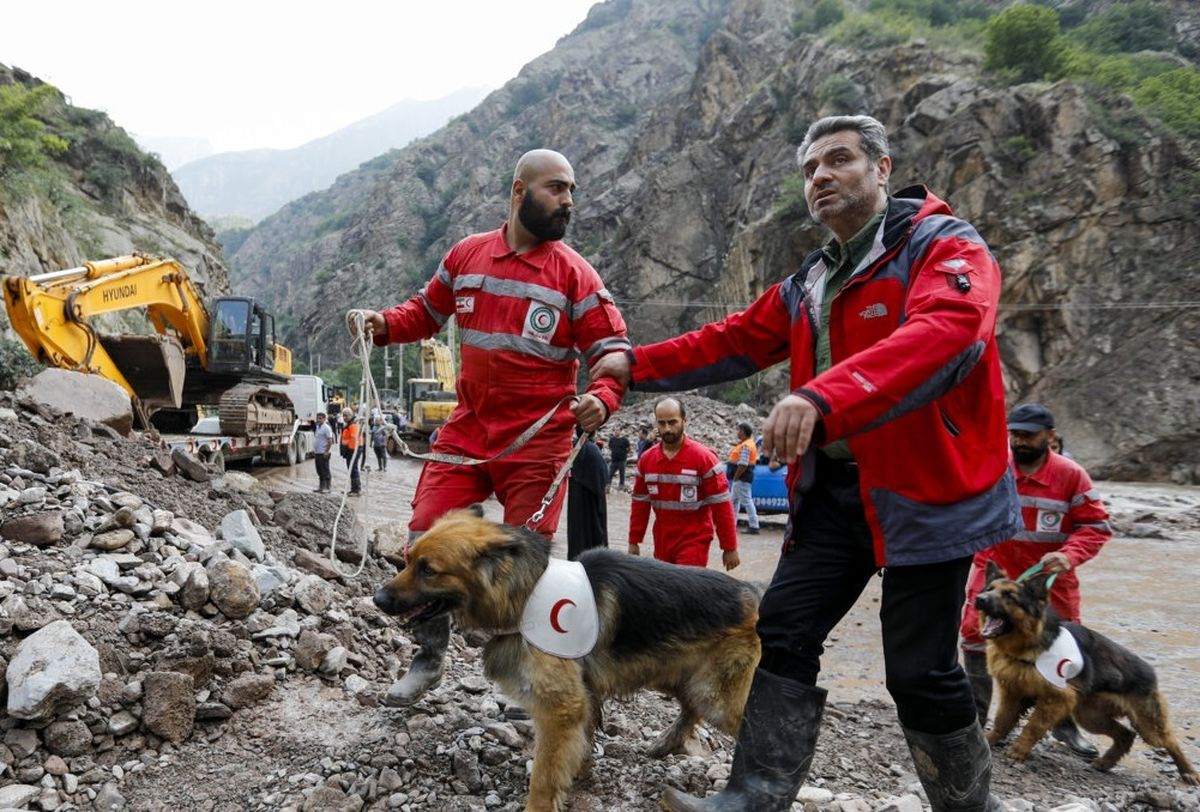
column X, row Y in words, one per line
column 1179, row 305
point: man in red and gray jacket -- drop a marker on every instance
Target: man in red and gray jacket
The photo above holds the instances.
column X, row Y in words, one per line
column 528, row 308
column 1065, row 524
column 894, row 432
column 684, row 483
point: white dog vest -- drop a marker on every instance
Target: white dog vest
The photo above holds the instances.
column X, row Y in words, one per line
column 1062, row 661
column 560, row 617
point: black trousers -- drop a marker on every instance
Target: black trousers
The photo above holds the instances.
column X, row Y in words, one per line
column 322, row 462
column 827, row 560
column 617, row 468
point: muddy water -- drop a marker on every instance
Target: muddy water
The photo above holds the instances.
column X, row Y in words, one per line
column 1139, row 591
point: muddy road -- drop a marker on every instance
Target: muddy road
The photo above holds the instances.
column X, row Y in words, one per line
column 1140, row 590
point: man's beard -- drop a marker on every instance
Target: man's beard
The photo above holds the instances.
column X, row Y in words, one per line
column 545, row 225
column 1030, row 454
column 858, row 199
column 670, row 439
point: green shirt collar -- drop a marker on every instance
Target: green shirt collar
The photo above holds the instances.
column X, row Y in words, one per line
column 857, row 246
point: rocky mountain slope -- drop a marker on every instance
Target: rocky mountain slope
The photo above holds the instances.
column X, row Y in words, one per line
column 681, row 119
column 98, row 196
column 255, row 183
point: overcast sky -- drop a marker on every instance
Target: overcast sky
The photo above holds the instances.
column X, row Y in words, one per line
column 259, row 73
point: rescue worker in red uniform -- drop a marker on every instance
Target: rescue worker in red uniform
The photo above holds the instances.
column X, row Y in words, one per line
column 1066, row 524
column 893, row 434
column 528, row 308
column 684, row 482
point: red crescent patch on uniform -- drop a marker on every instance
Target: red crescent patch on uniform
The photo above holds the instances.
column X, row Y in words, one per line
column 554, row 614
column 1058, row 668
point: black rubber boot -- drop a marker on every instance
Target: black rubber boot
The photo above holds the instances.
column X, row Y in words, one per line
column 774, row 750
column 1069, row 734
column 975, row 664
column 426, row 668
column 955, row 769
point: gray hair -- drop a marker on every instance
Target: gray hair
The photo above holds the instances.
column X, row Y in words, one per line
column 870, row 131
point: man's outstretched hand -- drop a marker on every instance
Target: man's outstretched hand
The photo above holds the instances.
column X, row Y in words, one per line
column 612, row 365
column 789, row 428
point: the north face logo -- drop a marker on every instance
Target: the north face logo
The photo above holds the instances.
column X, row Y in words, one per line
column 875, row 311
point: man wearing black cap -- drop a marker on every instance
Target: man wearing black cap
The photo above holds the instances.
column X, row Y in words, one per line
column 1066, row 524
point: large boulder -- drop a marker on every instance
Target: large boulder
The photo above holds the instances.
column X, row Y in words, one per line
column 232, row 589
column 89, row 396
column 238, row 529
column 169, row 704
column 54, row 668
column 40, row 529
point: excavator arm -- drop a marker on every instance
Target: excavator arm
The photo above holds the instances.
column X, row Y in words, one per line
column 51, row 313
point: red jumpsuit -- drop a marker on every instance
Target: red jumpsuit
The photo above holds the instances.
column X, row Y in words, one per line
column 1062, row 512
column 525, row 321
column 687, row 493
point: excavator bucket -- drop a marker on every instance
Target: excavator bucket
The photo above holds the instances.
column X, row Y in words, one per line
column 153, row 365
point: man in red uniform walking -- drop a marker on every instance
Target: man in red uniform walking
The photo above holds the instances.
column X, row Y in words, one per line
column 685, row 484
column 528, row 308
column 1066, row 524
column 893, row 434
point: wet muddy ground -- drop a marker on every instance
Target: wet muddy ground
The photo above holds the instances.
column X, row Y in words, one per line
column 1140, row 590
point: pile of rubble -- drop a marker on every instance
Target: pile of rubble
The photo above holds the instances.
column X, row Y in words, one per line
column 712, row 422
column 175, row 637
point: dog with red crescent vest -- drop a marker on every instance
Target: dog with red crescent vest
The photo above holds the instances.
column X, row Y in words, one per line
column 1112, row 683
column 688, row 632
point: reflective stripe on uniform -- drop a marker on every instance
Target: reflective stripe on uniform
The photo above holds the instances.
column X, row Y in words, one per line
column 674, row 479
column 431, row 310
column 442, row 274
column 670, row 504
column 1043, row 503
column 511, row 287
column 1041, row 536
column 507, row 341
column 606, row 345
column 1087, row 496
column 589, row 302
column 712, row 472
column 1105, row 526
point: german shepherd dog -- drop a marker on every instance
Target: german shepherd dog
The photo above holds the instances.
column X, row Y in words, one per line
column 685, row 631
column 1019, row 625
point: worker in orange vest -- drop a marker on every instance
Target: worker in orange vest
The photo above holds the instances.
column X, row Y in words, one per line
column 740, row 471
column 352, row 450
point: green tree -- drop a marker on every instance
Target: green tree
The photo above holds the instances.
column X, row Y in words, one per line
column 1024, row 41
column 1175, row 98
column 24, row 141
column 1140, row 25
column 816, row 16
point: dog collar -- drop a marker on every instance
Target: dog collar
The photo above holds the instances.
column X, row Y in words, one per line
column 1062, row 661
column 560, row 617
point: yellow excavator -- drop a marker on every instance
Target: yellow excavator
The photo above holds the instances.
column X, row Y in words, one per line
column 225, row 356
column 430, row 398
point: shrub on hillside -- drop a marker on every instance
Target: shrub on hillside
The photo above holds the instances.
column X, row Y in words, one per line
column 1140, row 25
column 1173, row 97
column 1023, row 41
column 812, row 17
column 24, row 142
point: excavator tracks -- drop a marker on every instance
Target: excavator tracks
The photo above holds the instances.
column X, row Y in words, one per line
column 252, row 409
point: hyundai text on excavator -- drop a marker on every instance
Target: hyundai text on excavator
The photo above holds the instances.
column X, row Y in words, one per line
column 225, row 357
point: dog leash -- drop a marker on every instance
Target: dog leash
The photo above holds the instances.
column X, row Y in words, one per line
column 540, row 513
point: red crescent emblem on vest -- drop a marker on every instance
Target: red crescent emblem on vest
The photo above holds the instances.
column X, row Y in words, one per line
column 554, row 614
column 1059, row 667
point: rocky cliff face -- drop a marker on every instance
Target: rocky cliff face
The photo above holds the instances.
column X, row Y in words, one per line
column 100, row 198
column 681, row 120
